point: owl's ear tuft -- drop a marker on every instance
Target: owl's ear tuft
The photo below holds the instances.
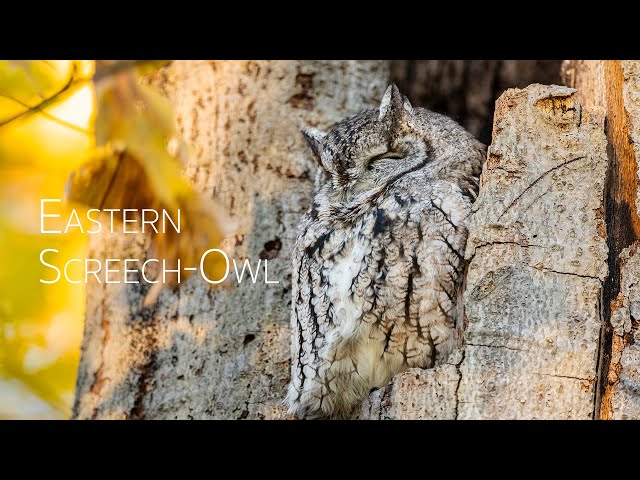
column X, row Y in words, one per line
column 314, row 138
column 407, row 105
column 394, row 105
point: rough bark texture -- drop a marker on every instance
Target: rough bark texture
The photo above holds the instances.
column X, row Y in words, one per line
column 223, row 353
column 538, row 258
column 418, row 394
column 466, row 90
column 552, row 298
column 613, row 89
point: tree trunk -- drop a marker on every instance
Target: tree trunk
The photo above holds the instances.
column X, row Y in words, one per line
column 466, row 90
column 612, row 88
column 538, row 259
column 551, row 295
column 224, row 353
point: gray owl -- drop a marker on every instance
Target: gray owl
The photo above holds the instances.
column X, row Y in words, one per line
column 378, row 262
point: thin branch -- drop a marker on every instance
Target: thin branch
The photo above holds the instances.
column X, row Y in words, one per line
column 39, row 108
column 102, row 72
column 44, row 103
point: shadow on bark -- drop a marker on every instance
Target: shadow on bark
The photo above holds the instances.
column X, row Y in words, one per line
column 466, row 90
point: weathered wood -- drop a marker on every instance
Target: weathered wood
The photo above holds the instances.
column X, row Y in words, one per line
column 624, row 378
column 222, row 353
column 612, row 86
column 621, row 399
column 538, row 258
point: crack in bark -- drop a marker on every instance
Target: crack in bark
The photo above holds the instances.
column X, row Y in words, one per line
column 562, row 376
column 498, row 346
column 506, row 242
column 563, row 164
column 599, row 354
column 385, row 400
column 515, row 173
column 565, row 273
column 455, row 394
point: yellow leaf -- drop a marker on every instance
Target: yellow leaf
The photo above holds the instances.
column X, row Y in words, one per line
column 46, row 114
column 40, row 325
column 133, row 169
column 27, row 84
column 33, row 81
column 135, row 117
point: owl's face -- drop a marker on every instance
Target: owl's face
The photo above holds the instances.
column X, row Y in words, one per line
column 368, row 150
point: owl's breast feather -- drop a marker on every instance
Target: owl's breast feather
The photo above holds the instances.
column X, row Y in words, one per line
column 341, row 260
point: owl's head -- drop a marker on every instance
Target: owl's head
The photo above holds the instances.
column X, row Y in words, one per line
column 366, row 151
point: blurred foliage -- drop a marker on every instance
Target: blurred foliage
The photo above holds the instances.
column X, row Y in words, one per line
column 133, row 168
column 46, row 112
column 93, row 128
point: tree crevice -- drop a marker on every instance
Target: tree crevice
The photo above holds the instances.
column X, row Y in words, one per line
column 571, row 377
column 455, row 394
column 496, row 346
column 622, row 221
column 550, row 270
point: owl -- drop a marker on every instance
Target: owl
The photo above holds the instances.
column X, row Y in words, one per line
column 378, row 262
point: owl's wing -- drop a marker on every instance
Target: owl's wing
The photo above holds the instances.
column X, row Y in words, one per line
column 419, row 249
column 310, row 309
column 440, row 255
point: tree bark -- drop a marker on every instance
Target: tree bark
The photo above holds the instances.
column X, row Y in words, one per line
column 537, row 262
column 612, row 88
column 551, row 295
column 221, row 353
column 466, row 90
